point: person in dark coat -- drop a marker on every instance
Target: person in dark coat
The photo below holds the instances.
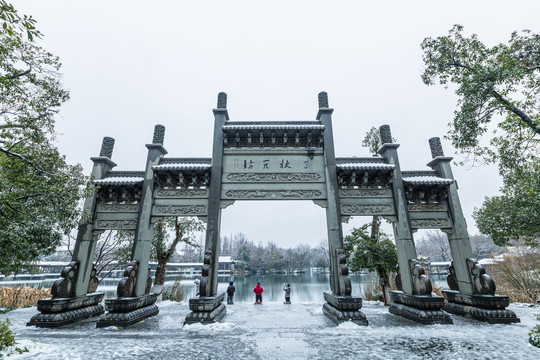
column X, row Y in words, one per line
column 230, row 292
column 258, row 290
column 287, row 289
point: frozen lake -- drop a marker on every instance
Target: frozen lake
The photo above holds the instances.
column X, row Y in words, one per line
column 277, row 331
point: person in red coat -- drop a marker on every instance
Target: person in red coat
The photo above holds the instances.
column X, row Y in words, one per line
column 258, row 290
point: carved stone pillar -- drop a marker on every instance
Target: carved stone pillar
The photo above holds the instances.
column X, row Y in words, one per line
column 73, row 298
column 134, row 302
column 340, row 306
column 402, row 228
column 214, row 200
column 472, row 291
column 414, row 299
column 209, row 307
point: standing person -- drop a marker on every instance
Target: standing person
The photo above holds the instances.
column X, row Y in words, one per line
column 287, row 289
column 258, row 290
column 230, row 292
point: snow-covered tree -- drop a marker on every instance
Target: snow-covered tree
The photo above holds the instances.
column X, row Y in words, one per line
column 39, row 191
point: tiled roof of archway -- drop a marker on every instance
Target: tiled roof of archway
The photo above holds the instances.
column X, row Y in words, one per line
column 182, row 166
column 119, row 180
column 366, row 166
column 273, row 127
column 427, row 180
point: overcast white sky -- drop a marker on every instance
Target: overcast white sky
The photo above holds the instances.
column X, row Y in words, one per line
column 132, row 64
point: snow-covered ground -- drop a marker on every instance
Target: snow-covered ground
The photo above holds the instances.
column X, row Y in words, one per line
column 277, row 331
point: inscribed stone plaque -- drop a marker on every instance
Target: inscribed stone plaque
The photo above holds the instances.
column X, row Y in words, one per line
column 271, row 162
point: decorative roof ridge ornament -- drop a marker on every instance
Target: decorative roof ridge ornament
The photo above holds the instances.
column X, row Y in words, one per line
column 222, row 100
column 323, row 100
column 436, row 147
column 107, row 146
column 386, row 135
column 159, row 134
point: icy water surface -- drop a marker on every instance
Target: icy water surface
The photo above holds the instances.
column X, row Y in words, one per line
column 277, row 331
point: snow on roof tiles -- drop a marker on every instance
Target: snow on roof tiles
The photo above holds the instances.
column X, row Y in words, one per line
column 182, row 166
column 273, row 127
column 365, row 166
column 118, row 180
column 428, row 180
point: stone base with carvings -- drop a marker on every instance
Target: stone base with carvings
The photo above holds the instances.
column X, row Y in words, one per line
column 127, row 311
column 422, row 309
column 340, row 309
column 489, row 308
column 57, row 312
column 206, row 310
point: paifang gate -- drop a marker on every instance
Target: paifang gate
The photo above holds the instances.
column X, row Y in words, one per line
column 292, row 160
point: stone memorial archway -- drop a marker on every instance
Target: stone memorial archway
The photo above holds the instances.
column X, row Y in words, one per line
column 273, row 161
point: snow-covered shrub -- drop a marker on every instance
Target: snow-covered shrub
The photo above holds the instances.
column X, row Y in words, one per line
column 534, row 336
column 7, row 339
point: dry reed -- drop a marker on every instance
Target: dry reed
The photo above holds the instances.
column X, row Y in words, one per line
column 19, row 297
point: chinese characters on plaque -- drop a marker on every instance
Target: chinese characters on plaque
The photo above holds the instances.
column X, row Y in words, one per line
column 272, row 164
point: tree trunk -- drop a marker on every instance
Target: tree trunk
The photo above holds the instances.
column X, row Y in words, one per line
column 375, row 227
column 160, row 273
column 384, row 282
column 383, row 276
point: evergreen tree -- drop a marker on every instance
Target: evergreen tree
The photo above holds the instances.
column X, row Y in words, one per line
column 39, row 191
column 498, row 91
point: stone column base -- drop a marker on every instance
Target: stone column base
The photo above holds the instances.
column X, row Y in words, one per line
column 340, row 309
column 422, row 309
column 206, row 310
column 488, row 308
column 127, row 311
column 57, row 312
